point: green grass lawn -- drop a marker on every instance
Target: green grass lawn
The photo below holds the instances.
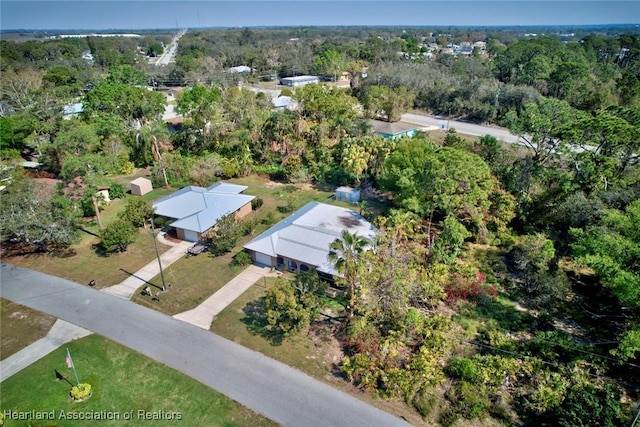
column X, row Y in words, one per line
column 122, row 381
column 86, row 263
column 190, row 281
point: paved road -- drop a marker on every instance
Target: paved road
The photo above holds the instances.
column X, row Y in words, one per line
column 461, row 127
column 169, row 53
column 270, row 388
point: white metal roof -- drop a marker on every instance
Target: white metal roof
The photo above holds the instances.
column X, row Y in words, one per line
column 306, row 234
column 199, row 209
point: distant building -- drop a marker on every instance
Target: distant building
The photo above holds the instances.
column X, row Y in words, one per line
column 240, row 69
column 284, row 102
column 393, row 130
column 72, row 110
column 296, row 81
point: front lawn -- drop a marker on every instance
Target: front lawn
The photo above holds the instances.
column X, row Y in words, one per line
column 86, row 262
column 124, row 383
column 21, row 326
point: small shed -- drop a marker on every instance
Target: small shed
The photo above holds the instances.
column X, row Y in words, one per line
column 140, row 186
column 103, row 195
column 348, row 194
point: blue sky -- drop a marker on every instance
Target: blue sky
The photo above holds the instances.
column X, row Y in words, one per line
column 110, row 14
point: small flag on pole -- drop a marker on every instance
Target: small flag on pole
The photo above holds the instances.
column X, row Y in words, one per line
column 70, row 364
column 69, row 360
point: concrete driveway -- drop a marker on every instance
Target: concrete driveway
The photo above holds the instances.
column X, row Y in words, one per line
column 203, row 315
column 277, row 391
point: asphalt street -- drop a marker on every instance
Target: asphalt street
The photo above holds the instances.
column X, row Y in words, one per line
column 502, row 134
column 270, row 388
column 169, row 53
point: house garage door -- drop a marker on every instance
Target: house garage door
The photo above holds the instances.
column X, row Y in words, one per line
column 263, row 259
column 191, row 236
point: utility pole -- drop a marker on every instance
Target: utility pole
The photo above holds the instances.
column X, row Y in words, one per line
column 97, row 209
column 155, row 245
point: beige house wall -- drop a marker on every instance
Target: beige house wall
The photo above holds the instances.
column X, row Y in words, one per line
column 243, row 211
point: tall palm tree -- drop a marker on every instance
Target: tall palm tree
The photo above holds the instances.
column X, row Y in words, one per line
column 346, row 254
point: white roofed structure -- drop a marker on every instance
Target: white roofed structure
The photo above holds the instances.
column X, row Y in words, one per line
column 301, row 241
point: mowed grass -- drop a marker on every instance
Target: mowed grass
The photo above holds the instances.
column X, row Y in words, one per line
column 190, row 281
column 20, row 326
column 86, row 262
column 122, row 381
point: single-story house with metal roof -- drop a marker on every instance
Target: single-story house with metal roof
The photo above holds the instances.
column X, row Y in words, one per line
column 72, row 110
column 393, row 130
column 197, row 210
column 240, row 69
column 301, row 241
column 296, row 81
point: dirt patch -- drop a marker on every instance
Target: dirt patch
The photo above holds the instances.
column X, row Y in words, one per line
column 273, row 184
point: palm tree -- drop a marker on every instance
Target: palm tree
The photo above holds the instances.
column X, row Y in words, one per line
column 355, row 159
column 345, row 254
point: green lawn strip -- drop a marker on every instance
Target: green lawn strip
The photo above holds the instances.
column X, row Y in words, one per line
column 122, row 381
column 20, row 326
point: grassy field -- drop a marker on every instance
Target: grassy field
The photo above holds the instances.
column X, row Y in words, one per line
column 20, row 327
column 122, row 381
column 88, row 263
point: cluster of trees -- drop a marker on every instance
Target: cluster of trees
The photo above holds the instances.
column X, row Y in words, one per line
column 427, row 319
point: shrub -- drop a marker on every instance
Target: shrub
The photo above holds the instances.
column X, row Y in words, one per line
column 284, row 314
column 116, row 191
column 247, row 227
column 225, row 235
column 425, row 401
column 127, row 167
column 256, row 203
column 118, row 235
column 136, row 212
column 269, row 219
column 242, row 258
column 81, row 391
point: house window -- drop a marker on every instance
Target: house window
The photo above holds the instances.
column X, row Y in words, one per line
column 280, row 262
column 304, row 267
column 292, row 266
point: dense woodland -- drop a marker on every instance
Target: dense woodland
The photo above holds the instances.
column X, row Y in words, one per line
column 505, row 285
